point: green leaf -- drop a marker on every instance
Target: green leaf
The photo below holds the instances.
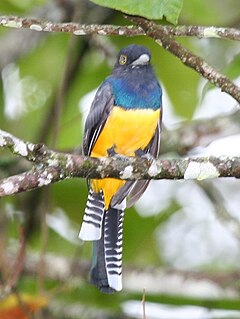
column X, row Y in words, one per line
column 211, row 12
column 151, row 9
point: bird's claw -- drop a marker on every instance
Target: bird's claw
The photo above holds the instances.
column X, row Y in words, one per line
column 112, row 153
column 143, row 154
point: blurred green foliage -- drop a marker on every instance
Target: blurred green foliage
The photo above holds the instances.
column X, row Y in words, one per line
column 15, row 6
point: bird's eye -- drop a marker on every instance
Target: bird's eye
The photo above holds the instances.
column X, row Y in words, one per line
column 122, row 59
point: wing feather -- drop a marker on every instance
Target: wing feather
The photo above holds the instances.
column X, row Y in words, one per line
column 140, row 186
column 98, row 114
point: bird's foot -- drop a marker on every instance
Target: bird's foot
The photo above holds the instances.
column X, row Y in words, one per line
column 144, row 154
column 112, row 153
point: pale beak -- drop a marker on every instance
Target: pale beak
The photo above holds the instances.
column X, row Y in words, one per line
column 143, row 59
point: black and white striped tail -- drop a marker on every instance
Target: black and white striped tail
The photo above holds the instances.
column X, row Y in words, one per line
column 93, row 216
column 106, row 272
column 113, row 239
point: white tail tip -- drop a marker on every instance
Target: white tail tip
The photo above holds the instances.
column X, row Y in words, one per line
column 89, row 232
column 115, row 282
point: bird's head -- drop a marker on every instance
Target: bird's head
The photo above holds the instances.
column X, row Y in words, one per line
column 133, row 56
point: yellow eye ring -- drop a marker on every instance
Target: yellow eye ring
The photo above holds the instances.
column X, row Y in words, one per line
column 122, row 59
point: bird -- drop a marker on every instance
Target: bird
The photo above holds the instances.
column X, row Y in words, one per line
column 124, row 120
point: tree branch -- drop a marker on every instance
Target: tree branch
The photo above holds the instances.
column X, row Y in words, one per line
column 163, row 35
column 202, row 32
column 187, row 57
column 32, row 152
column 70, row 27
column 51, row 166
column 84, row 29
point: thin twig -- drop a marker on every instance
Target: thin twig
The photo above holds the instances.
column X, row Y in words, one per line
column 44, row 237
column 89, row 29
column 187, row 57
column 18, row 265
column 144, row 303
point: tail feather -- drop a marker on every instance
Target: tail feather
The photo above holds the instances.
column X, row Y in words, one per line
column 106, row 272
column 93, row 216
column 98, row 273
column 113, row 238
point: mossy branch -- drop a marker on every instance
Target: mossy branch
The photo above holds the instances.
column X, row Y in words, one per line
column 50, row 166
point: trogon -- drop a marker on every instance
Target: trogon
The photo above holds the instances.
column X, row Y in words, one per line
column 124, row 120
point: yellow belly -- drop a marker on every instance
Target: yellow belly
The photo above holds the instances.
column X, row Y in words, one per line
column 128, row 131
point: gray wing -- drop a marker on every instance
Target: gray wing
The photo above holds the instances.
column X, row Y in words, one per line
column 98, row 114
column 134, row 190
